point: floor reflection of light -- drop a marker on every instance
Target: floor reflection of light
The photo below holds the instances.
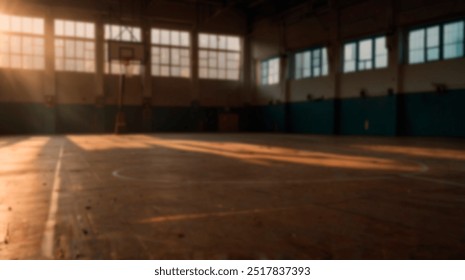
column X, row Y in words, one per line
column 272, row 154
column 105, row 142
column 17, row 156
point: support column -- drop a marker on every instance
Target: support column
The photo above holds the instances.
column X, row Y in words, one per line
column 100, row 61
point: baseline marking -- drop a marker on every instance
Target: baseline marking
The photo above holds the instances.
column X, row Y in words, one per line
column 49, row 230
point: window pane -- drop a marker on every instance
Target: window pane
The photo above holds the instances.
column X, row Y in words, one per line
column 298, row 66
column 453, row 40
column 417, row 46
column 59, row 27
column 203, row 72
column 432, row 36
column 27, row 25
column 349, row 57
column 213, row 42
column 69, row 29
column 90, row 30
column 221, row 74
column 325, row 62
column 417, row 56
column 185, row 39
column 365, row 54
column 156, row 36
column 15, row 24
column 381, row 59
column 27, row 45
column 307, row 64
column 175, row 57
column 165, row 55
column 175, row 38
column 222, row 43
column 222, row 60
column 81, row 29
column 165, row 37
column 38, row 26
column 217, row 62
column 136, row 37
column 316, row 63
column 234, row 43
column 15, row 44
column 4, row 23
column 203, row 40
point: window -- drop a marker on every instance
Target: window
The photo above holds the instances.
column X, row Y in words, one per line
column 125, row 34
column 219, row 57
column 381, row 53
column 170, row 53
column 453, row 40
column 365, row 54
column 311, row 63
column 74, row 46
column 425, row 43
column 22, row 42
column 270, row 71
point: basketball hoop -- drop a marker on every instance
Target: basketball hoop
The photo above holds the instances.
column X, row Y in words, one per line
column 129, row 56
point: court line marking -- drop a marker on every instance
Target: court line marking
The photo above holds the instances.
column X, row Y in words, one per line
column 49, row 230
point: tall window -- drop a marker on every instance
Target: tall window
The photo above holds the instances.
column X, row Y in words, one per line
column 219, row 57
column 125, row 34
column 365, row 54
column 170, row 53
column 74, row 46
column 270, row 72
column 425, row 44
column 453, row 40
column 22, row 42
column 311, row 63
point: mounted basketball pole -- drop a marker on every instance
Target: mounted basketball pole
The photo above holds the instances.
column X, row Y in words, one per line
column 127, row 55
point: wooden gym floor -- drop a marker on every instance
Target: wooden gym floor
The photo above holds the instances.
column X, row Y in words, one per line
column 231, row 196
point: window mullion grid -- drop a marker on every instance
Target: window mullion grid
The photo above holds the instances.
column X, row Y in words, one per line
column 357, row 46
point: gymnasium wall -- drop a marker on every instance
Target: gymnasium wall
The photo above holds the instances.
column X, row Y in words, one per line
column 49, row 101
column 401, row 99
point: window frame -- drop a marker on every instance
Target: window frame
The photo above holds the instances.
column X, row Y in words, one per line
column 441, row 26
column 75, row 39
column 373, row 54
column 323, row 65
column 32, row 35
column 170, row 48
column 265, row 71
column 218, row 51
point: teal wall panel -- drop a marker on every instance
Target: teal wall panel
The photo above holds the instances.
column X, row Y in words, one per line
column 137, row 118
column 75, row 118
column 415, row 114
column 171, row 119
column 368, row 116
column 432, row 114
column 271, row 118
column 315, row 117
column 26, row 118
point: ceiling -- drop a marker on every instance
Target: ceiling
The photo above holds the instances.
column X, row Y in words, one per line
column 252, row 8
